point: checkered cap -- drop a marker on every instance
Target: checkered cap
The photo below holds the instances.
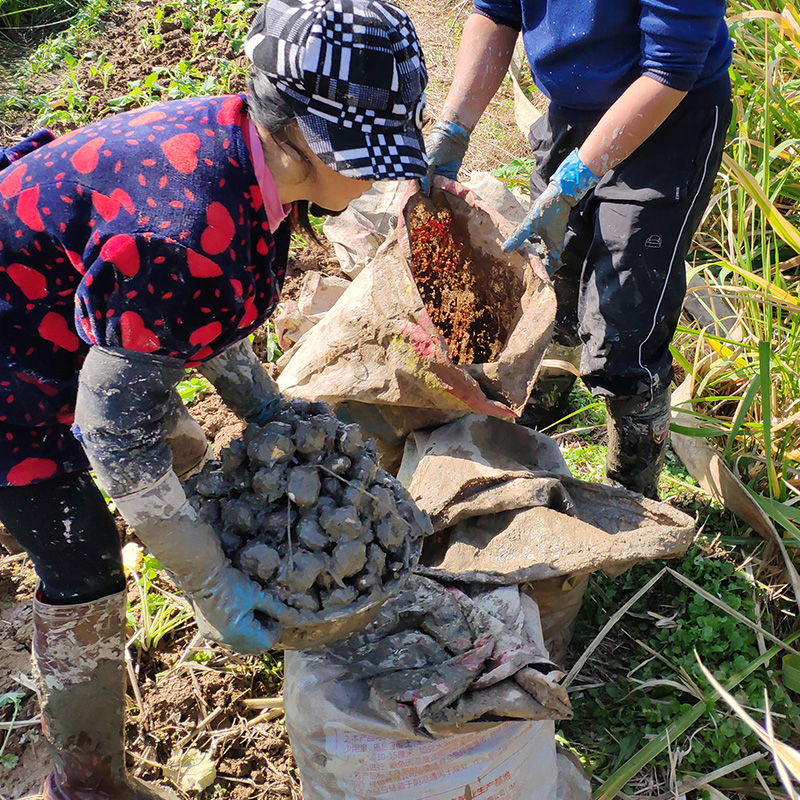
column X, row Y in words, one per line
column 354, row 72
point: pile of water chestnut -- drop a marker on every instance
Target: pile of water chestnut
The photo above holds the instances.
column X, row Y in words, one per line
column 302, row 507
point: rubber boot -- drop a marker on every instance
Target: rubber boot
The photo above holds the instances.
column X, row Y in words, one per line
column 637, row 442
column 549, row 400
column 80, row 674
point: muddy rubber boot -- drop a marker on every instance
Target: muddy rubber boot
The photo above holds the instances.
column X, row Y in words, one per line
column 80, row 675
column 549, row 400
column 637, row 442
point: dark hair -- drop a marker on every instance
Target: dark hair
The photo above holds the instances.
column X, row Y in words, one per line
column 271, row 112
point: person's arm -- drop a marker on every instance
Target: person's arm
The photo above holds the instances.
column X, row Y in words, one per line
column 638, row 113
column 481, row 64
column 484, row 55
column 243, row 383
column 635, row 116
column 120, row 412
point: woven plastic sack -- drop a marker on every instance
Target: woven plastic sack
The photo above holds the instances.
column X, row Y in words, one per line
column 353, row 743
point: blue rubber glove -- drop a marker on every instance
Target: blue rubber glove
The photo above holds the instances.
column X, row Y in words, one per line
column 445, row 148
column 547, row 220
column 233, row 610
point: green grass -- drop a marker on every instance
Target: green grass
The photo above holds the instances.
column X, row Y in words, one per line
column 23, row 20
column 645, row 675
column 157, row 614
column 747, row 381
column 581, row 436
column 644, row 678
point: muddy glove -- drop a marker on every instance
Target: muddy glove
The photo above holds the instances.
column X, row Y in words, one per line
column 121, row 416
column 226, row 602
column 547, row 220
column 243, row 383
column 445, row 147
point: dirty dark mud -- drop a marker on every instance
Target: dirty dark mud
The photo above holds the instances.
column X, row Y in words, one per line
column 301, row 506
column 468, row 297
column 468, row 646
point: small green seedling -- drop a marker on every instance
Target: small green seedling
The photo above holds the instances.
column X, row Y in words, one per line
column 193, row 388
column 160, row 614
column 9, row 760
column 516, row 173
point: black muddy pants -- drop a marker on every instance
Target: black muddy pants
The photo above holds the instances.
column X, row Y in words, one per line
column 68, row 532
column 622, row 283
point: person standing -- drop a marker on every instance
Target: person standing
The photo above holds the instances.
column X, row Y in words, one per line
column 130, row 249
column 625, row 161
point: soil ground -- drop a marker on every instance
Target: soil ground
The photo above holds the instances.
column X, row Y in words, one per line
column 198, row 701
column 495, row 141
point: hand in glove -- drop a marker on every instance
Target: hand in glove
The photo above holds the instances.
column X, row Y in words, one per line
column 227, row 603
column 547, row 220
column 445, row 148
column 243, row 383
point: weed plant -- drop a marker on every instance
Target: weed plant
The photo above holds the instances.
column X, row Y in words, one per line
column 157, row 613
column 13, row 699
column 744, row 357
column 193, row 387
column 645, row 674
column 516, row 173
column 21, row 77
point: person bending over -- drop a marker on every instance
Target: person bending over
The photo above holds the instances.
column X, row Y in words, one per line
column 135, row 247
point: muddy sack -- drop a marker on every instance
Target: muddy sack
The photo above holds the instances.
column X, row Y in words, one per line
column 440, row 323
column 506, row 511
column 472, row 656
column 453, row 659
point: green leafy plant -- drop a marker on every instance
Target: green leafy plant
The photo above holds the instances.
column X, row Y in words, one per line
column 646, row 679
column 160, row 613
column 516, row 173
column 200, row 72
column 299, row 241
column 274, row 352
column 9, row 760
column 193, row 387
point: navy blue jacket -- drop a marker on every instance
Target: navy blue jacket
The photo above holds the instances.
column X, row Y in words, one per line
column 585, row 53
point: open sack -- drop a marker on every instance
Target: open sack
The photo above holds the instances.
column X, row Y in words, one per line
column 379, row 347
